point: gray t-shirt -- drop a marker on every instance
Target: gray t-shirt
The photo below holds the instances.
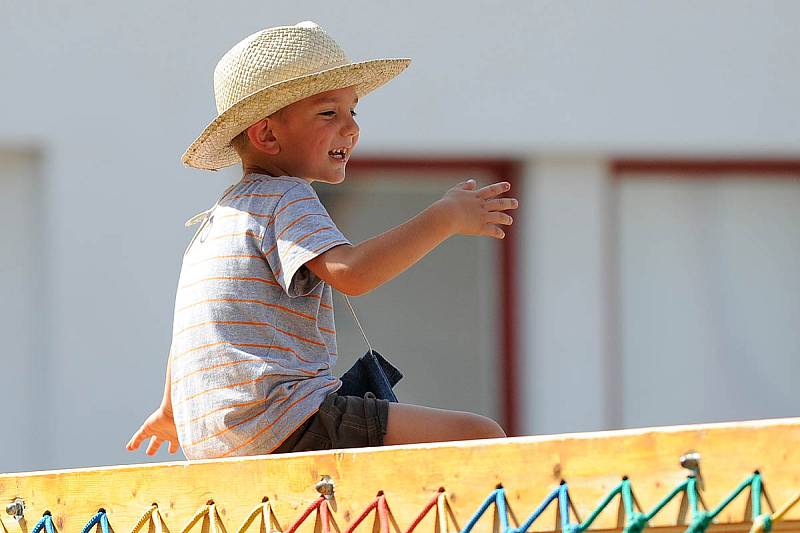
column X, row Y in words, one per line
column 253, row 337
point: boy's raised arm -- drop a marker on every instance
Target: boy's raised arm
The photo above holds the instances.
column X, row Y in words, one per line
column 463, row 210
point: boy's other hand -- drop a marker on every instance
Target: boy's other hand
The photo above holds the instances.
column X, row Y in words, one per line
column 474, row 211
column 159, row 427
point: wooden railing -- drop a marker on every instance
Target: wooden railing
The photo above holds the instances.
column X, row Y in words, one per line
column 528, row 468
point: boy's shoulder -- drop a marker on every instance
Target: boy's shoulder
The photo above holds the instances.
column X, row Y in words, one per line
column 268, row 188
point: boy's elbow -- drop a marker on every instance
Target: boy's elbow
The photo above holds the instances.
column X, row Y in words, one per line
column 351, row 284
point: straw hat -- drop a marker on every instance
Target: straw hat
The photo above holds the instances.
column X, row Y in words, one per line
column 272, row 69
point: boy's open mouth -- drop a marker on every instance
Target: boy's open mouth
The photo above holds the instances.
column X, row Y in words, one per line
column 340, row 154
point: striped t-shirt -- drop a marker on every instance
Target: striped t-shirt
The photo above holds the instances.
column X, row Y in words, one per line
column 253, row 337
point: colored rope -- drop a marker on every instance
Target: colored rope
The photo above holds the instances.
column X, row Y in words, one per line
column 46, row 523
column 441, row 510
column 102, row 518
column 763, row 523
column 539, row 510
column 379, row 504
column 265, row 510
column 492, row 498
column 308, row 511
column 209, row 510
column 702, row 519
column 153, row 513
column 430, row 505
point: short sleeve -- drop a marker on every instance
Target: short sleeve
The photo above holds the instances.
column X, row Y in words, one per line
column 299, row 231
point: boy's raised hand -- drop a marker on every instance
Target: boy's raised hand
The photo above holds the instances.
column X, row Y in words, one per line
column 159, row 427
column 479, row 211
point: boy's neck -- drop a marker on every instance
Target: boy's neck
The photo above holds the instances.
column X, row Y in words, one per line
column 250, row 168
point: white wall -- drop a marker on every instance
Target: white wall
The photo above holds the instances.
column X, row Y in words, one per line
column 112, row 93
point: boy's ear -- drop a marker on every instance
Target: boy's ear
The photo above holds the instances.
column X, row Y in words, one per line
column 262, row 137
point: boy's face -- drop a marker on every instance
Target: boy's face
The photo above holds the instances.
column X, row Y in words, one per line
column 317, row 135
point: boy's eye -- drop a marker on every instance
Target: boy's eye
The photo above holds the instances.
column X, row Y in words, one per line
column 332, row 113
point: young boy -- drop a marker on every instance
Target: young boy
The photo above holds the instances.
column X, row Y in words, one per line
column 254, row 339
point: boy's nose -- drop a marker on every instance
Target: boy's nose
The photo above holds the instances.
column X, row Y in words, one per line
column 350, row 127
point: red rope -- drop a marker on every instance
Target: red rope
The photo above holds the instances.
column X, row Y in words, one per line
column 324, row 516
column 383, row 514
column 424, row 512
column 305, row 514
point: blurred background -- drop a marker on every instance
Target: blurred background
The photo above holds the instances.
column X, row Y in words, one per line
column 651, row 277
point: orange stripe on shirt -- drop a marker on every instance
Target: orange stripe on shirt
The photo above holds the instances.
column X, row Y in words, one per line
column 232, row 363
column 222, row 387
column 248, row 233
column 237, row 345
column 284, row 208
column 262, row 430
column 327, row 245
column 289, row 226
column 257, row 302
column 306, row 236
column 243, row 323
column 218, row 433
column 257, row 195
column 224, row 407
column 230, row 278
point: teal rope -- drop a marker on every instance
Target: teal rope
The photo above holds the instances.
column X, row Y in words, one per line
column 635, row 522
column 45, row 522
column 663, row 503
column 702, row 519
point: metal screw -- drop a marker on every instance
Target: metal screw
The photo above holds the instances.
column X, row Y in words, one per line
column 691, row 461
column 16, row 509
column 325, row 487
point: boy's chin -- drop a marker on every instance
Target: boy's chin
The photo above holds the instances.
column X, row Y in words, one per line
column 332, row 179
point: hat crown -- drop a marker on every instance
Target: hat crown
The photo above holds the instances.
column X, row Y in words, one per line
column 272, row 56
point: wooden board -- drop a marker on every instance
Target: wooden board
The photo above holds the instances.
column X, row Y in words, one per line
column 528, row 467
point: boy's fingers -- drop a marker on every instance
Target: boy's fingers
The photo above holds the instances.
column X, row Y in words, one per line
column 155, row 444
column 136, row 440
column 468, row 185
column 173, row 446
column 498, row 217
column 494, row 189
column 501, row 204
column 490, row 230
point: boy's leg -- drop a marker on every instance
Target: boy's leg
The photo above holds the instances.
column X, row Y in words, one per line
column 408, row 424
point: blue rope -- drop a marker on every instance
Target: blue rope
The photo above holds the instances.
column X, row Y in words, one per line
column 100, row 517
column 46, row 523
column 539, row 510
column 482, row 509
column 563, row 507
column 502, row 509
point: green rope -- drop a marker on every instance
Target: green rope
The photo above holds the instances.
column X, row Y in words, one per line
column 635, row 522
column 701, row 519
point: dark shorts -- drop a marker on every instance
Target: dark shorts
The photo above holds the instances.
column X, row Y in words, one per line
column 341, row 422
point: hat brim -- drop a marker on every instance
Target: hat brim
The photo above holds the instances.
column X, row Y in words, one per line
column 212, row 149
